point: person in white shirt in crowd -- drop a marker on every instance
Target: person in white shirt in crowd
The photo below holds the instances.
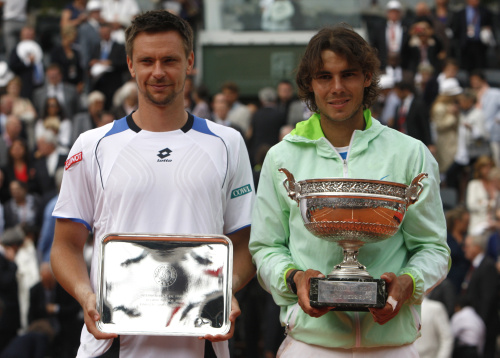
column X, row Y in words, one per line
column 14, row 17
column 468, row 330
column 437, row 339
column 119, row 13
column 488, row 99
column 471, row 142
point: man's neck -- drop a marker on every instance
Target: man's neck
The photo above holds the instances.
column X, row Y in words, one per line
column 155, row 118
column 339, row 133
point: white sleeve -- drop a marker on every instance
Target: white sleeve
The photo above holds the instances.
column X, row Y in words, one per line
column 76, row 197
column 240, row 191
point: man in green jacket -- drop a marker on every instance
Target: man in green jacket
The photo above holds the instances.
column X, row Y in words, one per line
column 338, row 80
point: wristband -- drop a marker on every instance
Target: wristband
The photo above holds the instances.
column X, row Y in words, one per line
column 292, row 287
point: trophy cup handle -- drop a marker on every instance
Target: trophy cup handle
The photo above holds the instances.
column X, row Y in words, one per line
column 292, row 185
column 415, row 189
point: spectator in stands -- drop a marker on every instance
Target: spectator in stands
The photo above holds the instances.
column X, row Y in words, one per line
column 457, row 223
column 289, row 103
column 422, row 47
column 9, row 319
column 27, row 269
column 480, row 195
column 66, row 93
column 488, row 99
column 48, row 300
column 481, row 289
column 444, row 116
column 23, row 207
column 437, row 339
column 472, row 30
column 67, row 55
column 422, row 9
column 14, row 16
column 48, row 158
column 55, row 119
column 89, row 119
column 88, row 33
column 119, row 14
column 108, row 65
column 239, row 115
column 73, row 14
column 471, row 142
column 12, row 132
column 412, row 115
column 389, row 38
column 26, row 61
column 23, row 108
column 265, row 124
column 220, row 112
column 18, row 166
column 468, row 330
column 200, row 97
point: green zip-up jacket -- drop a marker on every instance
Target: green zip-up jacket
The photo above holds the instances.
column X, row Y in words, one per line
column 279, row 240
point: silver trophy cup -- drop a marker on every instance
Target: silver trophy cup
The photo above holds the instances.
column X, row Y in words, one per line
column 351, row 212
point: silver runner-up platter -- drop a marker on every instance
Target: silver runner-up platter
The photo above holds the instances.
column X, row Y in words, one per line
column 159, row 284
column 351, row 213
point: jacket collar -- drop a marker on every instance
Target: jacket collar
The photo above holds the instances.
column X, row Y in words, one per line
column 310, row 132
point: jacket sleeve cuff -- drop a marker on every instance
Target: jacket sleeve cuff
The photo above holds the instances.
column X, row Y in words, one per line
column 418, row 286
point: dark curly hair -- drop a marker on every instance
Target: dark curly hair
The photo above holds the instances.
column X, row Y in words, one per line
column 158, row 21
column 342, row 40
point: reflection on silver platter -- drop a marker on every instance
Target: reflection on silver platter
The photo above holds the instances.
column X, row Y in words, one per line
column 158, row 284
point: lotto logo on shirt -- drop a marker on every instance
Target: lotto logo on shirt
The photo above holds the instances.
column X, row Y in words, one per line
column 241, row 191
column 74, row 159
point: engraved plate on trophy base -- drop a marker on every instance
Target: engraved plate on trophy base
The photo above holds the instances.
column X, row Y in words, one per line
column 348, row 294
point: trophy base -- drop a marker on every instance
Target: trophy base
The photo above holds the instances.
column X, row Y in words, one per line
column 348, row 294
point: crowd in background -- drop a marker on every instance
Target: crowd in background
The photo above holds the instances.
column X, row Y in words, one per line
column 434, row 87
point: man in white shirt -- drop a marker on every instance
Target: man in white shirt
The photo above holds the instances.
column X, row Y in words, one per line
column 115, row 182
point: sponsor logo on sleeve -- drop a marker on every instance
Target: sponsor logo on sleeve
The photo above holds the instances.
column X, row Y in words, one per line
column 74, row 159
column 241, row 191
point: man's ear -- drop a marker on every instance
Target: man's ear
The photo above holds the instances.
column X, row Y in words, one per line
column 130, row 67
column 368, row 79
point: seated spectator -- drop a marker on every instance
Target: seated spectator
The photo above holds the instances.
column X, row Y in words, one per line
column 46, row 238
column 457, row 223
column 239, row 115
column 437, row 339
column 27, row 269
column 423, row 46
column 444, row 116
column 26, row 61
column 48, row 158
column 54, row 87
column 481, row 289
column 23, row 109
column 108, row 65
column 67, row 56
column 468, row 330
column 200, row 97
column 32, row 344
column 89, row 119
column 480, row 195
column 125, row 100
column 54, row 119
column 48, row 300
column 9, row 319
column 23, row 207
column 18, row 167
